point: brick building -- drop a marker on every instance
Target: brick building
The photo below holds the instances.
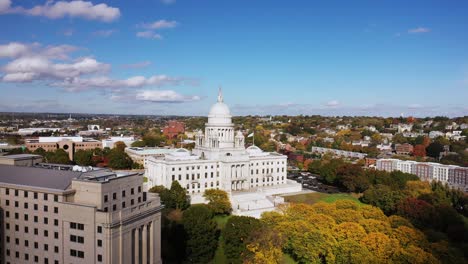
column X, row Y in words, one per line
column 173, row 128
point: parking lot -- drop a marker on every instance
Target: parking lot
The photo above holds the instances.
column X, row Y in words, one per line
column 309, row 181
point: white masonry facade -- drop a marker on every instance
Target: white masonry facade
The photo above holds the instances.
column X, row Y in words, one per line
column 218, row 161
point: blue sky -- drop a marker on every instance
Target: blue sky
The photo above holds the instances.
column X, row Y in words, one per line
column 271, row 57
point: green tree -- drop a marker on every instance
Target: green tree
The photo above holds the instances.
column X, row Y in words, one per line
column 139, row 144
column 178, row 196
column 218, row 200
column 383, row 197
column 434, row 149
column 119, row 160
column 84, row 158
column 202, row 234
column 40, row 151
column 59, row 156
column 235, row 234
column 120, row 146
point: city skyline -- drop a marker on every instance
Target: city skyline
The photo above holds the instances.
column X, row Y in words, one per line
column 169, row 57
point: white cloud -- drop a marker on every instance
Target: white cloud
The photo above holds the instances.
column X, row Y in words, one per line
column 80, row 84
column 13, row 49
column 60, row 9
column 29, row 68
column 52, row 65
column 333, row 103
column 419, row 30
column 160, row 24
column 137, row 65
column 16, row 49
column 4, row 5
column 104, row 33
column 148, row 34
column 164, row 96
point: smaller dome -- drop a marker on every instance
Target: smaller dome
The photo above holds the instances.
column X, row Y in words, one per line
column 254, row 150
column 180, row 153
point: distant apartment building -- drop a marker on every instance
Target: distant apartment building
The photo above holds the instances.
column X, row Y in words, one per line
column 404, row 149
column 173, row 128
column 458, row 176
column 338, row 152
column 53, row 214
column 427, row 171
column 69, row 144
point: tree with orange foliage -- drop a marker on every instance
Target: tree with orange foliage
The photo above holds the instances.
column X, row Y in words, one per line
column 419, row 151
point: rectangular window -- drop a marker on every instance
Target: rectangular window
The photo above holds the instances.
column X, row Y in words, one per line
column 25, row 193
column 123, row 193
column 35, row 195
column 99, row 243
column 99, row 229
column 56, row 210
column 45, row 196
column 132, row 191
column 55, row 198
column 105, row 198
column 114, row 196
column 16, row 192
column 46, row 208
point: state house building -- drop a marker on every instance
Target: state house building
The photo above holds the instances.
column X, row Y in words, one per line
column 219, row 160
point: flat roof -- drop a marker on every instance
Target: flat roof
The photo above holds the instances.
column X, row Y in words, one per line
column 37, row 177
column 151, row 151
column 21, row 156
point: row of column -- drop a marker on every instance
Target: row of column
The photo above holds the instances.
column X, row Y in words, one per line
column 237, row 185
column 144, row 247
column 237, row 171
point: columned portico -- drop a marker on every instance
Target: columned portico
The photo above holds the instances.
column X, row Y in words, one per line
column 146, row 248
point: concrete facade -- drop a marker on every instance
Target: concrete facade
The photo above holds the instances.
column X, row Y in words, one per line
column 100, row 217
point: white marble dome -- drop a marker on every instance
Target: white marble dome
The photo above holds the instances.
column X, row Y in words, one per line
column 219, row 112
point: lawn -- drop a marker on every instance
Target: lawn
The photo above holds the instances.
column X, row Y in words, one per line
column 311, row 198
column 219, row 257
